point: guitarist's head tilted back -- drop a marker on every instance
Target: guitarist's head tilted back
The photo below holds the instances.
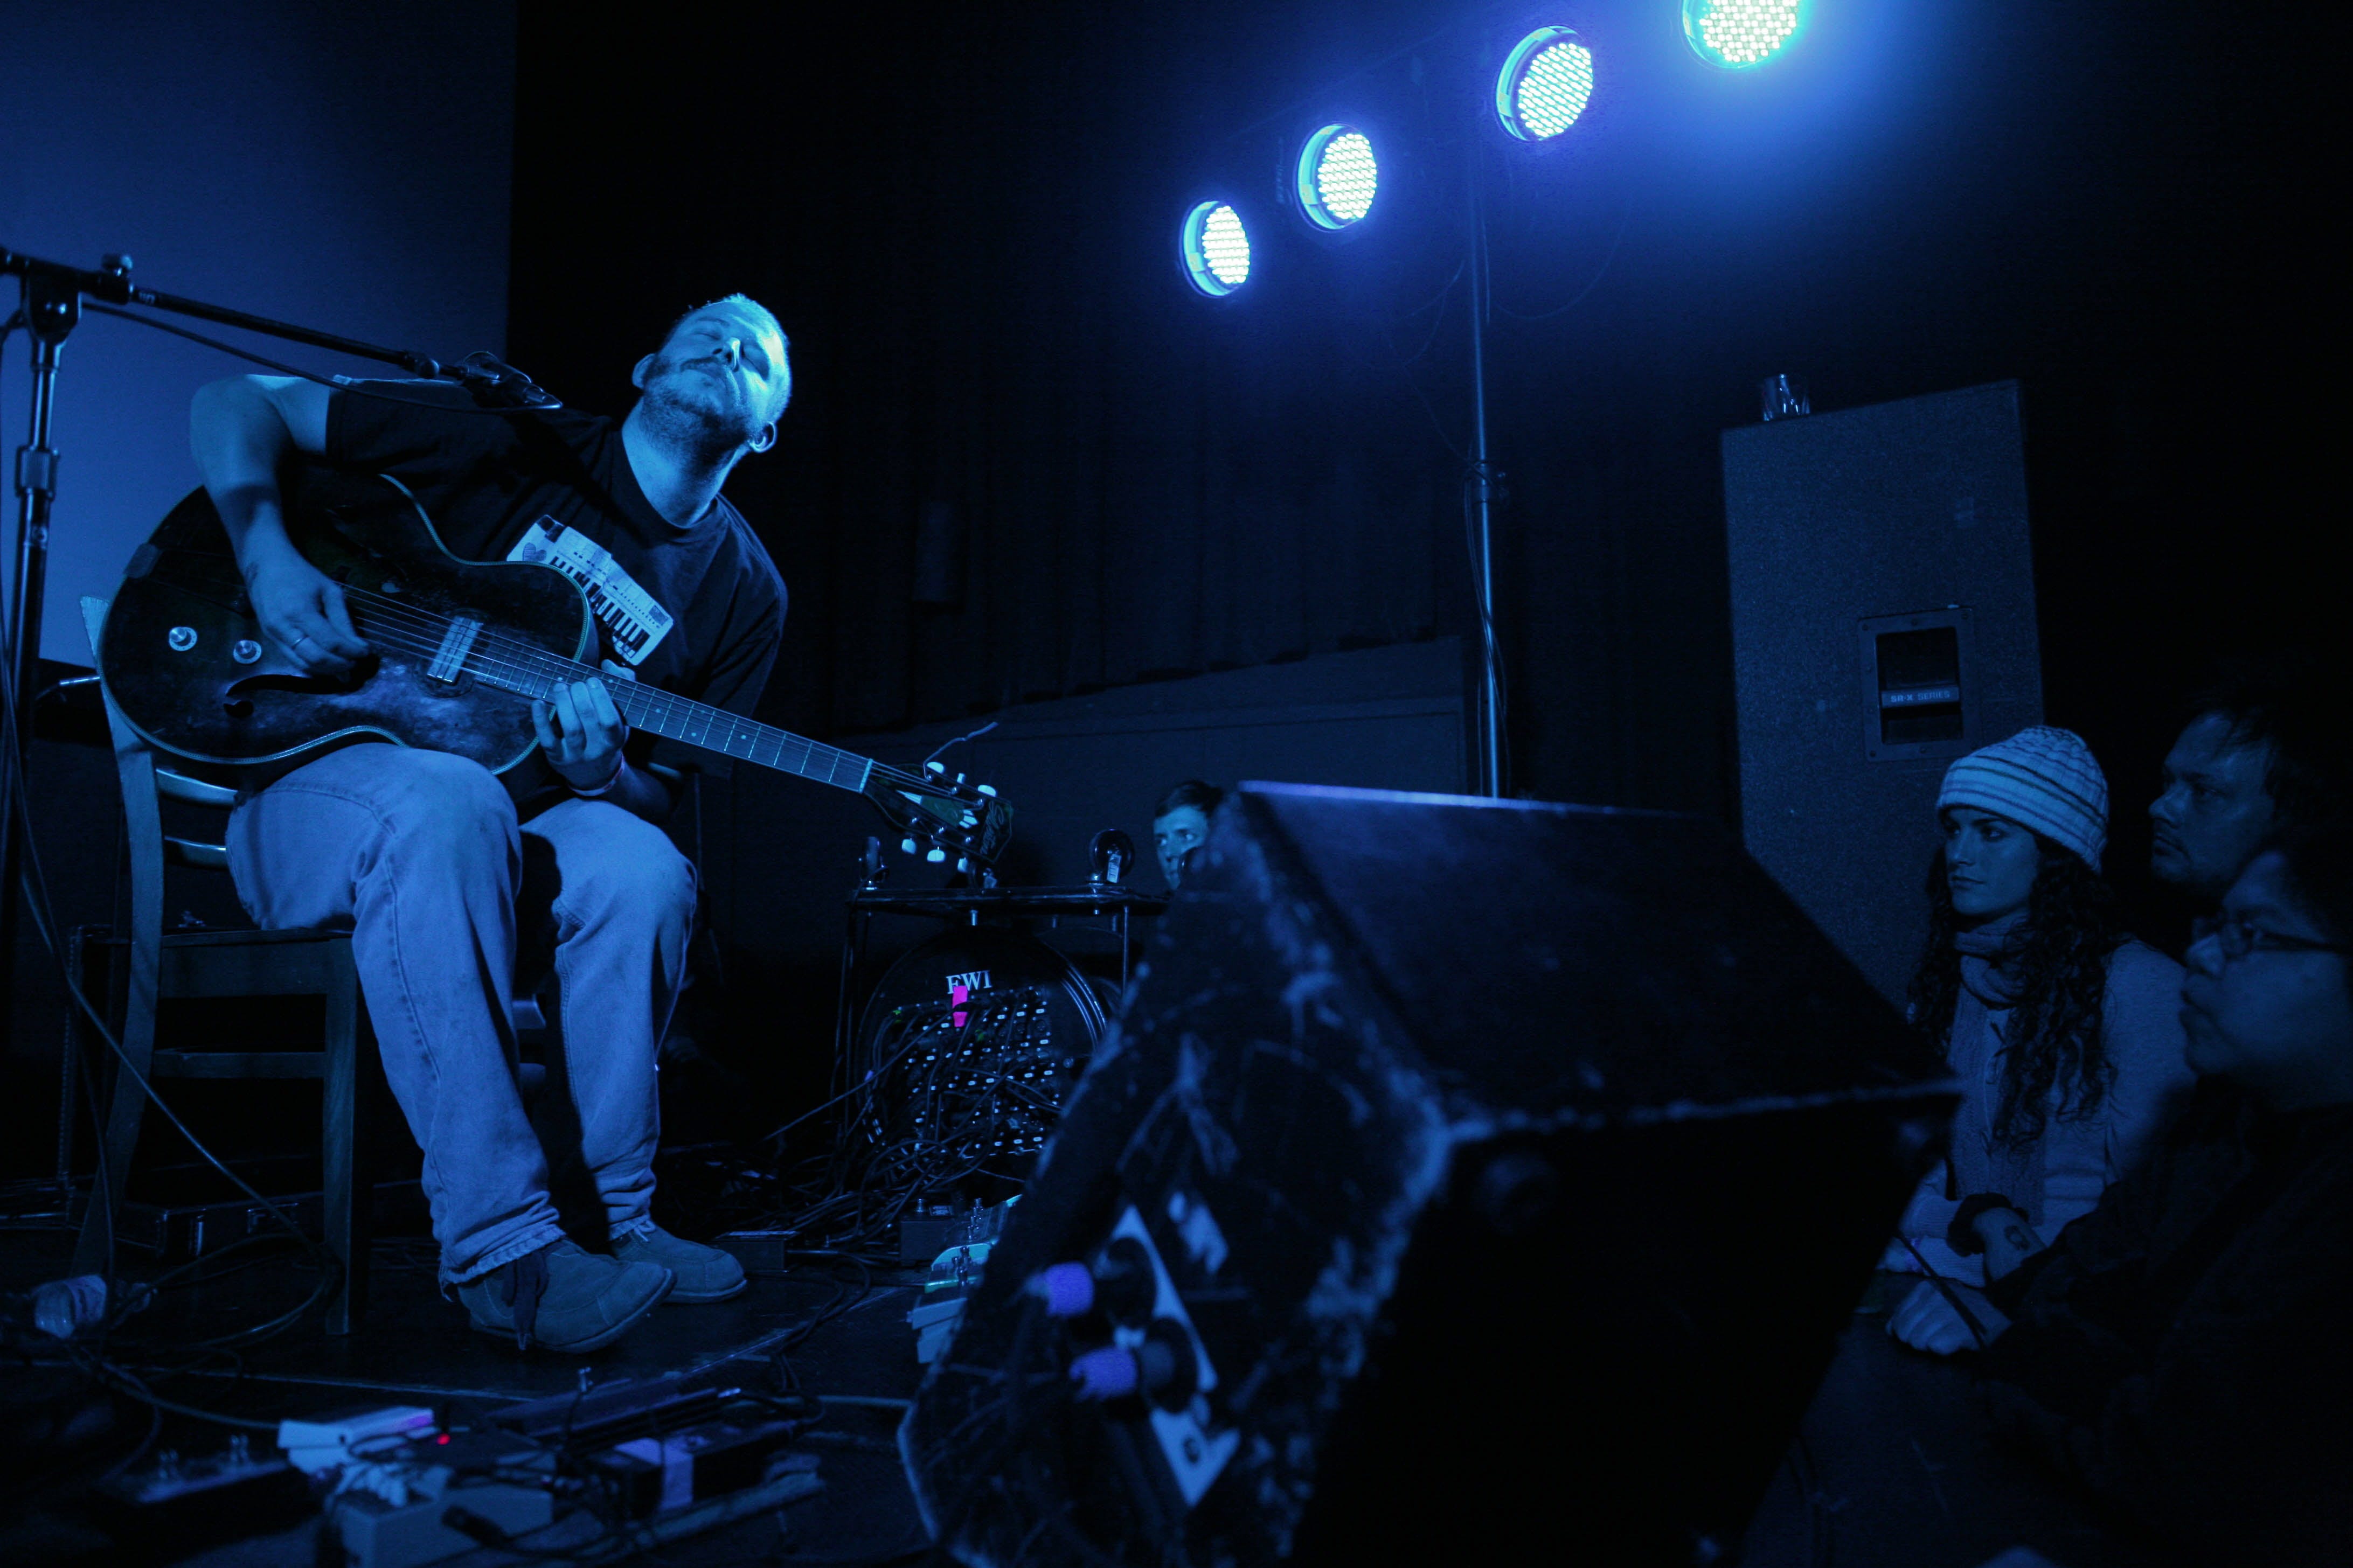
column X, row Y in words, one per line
column 708, row 396
column 528, row 574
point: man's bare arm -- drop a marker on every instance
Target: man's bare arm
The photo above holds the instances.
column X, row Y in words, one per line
column 241, row 431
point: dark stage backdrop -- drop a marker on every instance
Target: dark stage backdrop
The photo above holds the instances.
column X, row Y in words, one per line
column 1026, row 461
column 339, row 164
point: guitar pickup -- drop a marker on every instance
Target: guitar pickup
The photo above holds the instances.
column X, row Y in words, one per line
column 450, row 658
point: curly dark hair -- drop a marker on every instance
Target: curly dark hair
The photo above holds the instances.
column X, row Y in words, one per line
column 2058, row 961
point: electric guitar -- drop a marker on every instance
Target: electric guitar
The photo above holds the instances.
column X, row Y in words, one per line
column 460, row 647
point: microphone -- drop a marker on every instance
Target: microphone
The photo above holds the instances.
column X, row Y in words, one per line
column 498, row 385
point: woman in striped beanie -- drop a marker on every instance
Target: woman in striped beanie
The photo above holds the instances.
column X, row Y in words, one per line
column 2065, row 1032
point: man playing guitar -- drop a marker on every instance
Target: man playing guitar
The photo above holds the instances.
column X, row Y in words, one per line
column 453, row 880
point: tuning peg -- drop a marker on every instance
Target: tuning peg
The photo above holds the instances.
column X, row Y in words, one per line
column 959, row 778
column 935, row 767
column 988, row 790
column 962, row 864
column 935, row 854
column 906, row 846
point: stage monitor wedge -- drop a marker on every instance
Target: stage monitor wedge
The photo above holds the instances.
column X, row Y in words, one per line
column 1465, row 1181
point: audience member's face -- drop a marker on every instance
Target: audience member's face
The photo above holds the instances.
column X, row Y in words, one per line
column 2214, row 810
column 1989, row 863
column 2276, row 1019
column 1173, row 834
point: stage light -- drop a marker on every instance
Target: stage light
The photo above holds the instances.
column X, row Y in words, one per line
column 1739, row 34
column 1337, row 177
column 1544, row 84
column 1217, row 248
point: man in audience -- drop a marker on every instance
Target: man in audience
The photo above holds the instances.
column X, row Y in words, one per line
column 2183, row 1350
column 2265, row 749
column 1180, row 823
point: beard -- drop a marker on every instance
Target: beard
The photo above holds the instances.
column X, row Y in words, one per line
column 705, row 430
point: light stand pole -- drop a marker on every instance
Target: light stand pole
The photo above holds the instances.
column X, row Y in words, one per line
column 1481, row 483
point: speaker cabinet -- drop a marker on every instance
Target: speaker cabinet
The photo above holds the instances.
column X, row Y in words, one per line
column 1883, row 624
column 1464, row 1182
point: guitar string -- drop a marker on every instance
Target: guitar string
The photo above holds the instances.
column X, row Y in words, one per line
column 535, row 669
column 537, row 672
column 554, row 667
column 525, row 663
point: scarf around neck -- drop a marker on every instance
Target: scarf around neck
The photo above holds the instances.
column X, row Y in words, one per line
column 1985, row 951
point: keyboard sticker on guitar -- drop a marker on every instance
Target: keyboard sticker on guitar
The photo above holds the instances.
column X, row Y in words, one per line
column 635, row 621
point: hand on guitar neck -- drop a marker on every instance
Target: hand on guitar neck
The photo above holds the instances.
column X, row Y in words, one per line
column 582, row 733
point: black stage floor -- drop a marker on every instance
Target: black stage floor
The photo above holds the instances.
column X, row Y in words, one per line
column 1895, row 1470
column 413, row 1348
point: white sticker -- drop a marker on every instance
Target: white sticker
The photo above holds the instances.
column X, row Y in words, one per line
column 637, row 622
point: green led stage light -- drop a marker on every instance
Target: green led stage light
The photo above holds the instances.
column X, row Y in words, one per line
column 1544, row 84
column 1739, row 34
column 1337, row 177
column 1215, row 249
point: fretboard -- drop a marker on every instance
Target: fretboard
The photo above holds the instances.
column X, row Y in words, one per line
column 682, row 719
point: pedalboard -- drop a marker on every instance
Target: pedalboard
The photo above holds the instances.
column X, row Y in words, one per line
column 192, row 1503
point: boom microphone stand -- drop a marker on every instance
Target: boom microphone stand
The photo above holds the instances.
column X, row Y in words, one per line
column 53, row 297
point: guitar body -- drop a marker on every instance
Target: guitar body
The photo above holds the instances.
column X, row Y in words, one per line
column 170, row 654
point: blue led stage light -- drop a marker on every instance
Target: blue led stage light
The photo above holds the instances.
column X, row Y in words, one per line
column 1337, row 177
column 1739, row 34
column 1217, row 248
column 1544, row 84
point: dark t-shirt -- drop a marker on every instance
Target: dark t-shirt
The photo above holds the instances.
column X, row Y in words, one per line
column 697, row 610
column 2183, row 1349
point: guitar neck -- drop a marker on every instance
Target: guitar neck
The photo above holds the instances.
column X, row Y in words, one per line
column 697, row 724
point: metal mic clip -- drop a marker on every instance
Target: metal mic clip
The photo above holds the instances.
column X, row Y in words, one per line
column 498, row 385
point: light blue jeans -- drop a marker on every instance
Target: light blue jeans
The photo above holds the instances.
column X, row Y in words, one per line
column 419, row 856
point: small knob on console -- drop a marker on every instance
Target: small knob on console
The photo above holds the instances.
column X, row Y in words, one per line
column 1068, row 1290
column 1110, row 1372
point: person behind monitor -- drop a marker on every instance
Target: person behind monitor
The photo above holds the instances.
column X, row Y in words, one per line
column 1180, row 823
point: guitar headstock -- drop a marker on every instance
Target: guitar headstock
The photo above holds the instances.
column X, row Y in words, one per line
column 942, row 818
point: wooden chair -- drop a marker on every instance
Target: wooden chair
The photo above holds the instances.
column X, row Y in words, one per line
column 213, row 963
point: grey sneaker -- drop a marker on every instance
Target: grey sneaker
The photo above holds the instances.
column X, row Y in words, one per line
column 704, row 1273
column 564, row 1298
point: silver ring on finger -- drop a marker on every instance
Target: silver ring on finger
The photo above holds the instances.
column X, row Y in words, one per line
column 300, row 638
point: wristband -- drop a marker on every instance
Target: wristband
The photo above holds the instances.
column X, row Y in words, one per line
column 1962, row 1236
column 621, row 766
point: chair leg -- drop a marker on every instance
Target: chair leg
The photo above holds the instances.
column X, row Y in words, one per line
column 144, row 837
column 346, row 1191
column 125, row 1108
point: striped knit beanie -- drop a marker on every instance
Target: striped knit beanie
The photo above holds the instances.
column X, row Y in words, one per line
column 2041, row 778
